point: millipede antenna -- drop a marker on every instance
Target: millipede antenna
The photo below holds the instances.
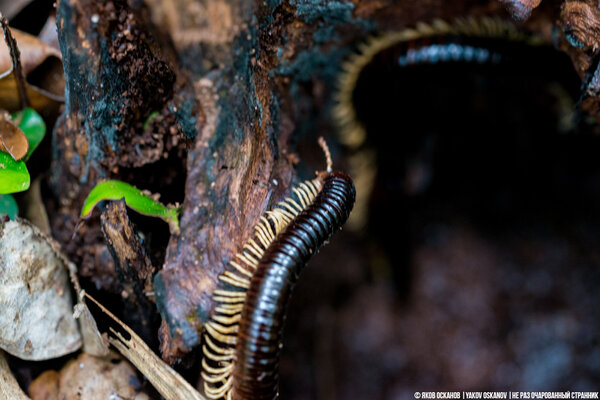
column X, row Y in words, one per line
column 325, row 148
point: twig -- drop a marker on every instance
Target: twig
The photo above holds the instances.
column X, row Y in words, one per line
column 15, row 56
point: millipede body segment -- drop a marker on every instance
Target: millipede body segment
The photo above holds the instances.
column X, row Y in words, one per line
column 243, row 337
column 467, row 40
column 372, row 81
column 221, row 330
column 261, row 326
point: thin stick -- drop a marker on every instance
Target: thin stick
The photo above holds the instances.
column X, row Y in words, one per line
column 15, row 56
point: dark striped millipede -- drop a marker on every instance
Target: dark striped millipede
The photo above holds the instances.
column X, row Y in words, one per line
column 472, row 41
column 242, row 341
column 483, row 40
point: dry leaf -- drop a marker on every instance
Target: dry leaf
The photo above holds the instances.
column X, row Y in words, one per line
column 93, row 342
column 12, row 139
column 36, row 322
column 45, row 386
column 49, row 34
column 165, row 379
column 34, row 209
column 90, row 378
column 44, row 75
column 10, row 8
column 9, row 388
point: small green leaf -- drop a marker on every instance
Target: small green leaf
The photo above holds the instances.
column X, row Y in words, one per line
column 8, row 206
column 152, row 115
column 14, row 176
column 32, row 124
column 134, row 198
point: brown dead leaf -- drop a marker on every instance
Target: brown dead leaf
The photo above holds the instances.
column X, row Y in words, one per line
column 33, row 207
column 12, row 139
column 45, row 386
column 165, row 379
column 49, row 34
column 90, row 378
column 93, row 342
column 9, row 388
column 44, row 75
column 11, row 8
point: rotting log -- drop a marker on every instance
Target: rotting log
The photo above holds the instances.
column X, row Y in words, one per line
column 261, row 83
column 119, row 70
column 263, row 74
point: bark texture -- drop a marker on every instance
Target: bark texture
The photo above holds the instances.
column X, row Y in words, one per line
column 134, row 269
column 237, row 84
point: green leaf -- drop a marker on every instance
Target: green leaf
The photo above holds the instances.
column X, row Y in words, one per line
column 152, row 115
column 14, row 176
column 134, row 198
column 8, row 206
column 32, row 124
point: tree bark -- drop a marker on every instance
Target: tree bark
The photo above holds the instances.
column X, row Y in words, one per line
column 239, row 85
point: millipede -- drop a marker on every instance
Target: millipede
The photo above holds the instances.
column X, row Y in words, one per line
column 468, row 40
column 370, row 74
column 243, row 338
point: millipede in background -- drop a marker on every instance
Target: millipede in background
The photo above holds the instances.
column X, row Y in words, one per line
column 470, row 40
column 370, row 72
column 242, row 340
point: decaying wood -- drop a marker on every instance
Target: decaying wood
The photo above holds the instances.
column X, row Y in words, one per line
column 264, row 81
column 258, row 71
column 238, row 164
column 118, row 71
column 133, row 268
column 520, row 9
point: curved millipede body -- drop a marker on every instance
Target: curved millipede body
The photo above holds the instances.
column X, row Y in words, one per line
column 232, row 367
column 468, row 40
column 371, row 80
column 221, row 331
column 260, row 333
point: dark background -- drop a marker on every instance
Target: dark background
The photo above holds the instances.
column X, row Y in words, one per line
column 478, row 266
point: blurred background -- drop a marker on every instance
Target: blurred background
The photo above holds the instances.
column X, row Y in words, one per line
column 474, row 265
